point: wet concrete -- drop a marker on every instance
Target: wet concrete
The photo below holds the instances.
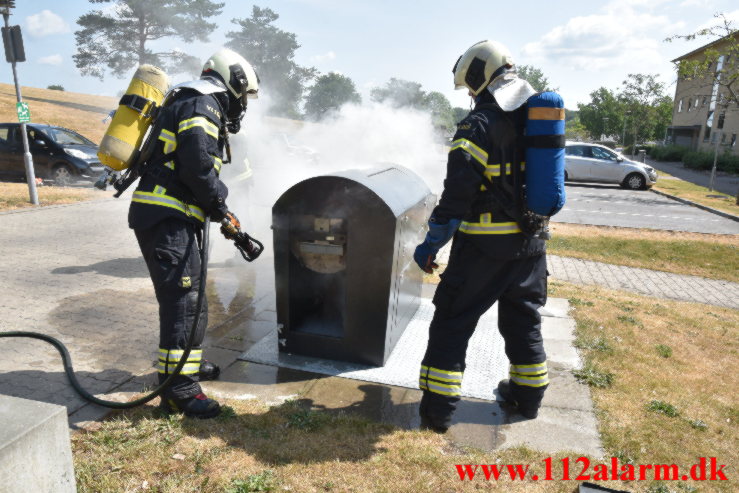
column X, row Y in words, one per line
column 94, row 294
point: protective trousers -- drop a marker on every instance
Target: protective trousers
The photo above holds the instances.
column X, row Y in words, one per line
column 472, row 282
column 170, row 249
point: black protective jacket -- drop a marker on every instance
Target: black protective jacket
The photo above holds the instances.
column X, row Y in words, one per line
column 482, row 187
column 182, row 178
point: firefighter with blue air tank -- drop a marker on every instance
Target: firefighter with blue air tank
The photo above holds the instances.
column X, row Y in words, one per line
column 498, row 252
column 179, row 188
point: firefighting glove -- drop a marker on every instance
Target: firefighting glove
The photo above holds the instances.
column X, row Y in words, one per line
column 230, row 226
column 437, row 236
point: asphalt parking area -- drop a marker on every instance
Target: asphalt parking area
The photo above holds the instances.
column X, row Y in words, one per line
column 606, row 205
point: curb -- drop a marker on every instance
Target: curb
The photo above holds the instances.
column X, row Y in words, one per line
column 41, row 207
column 699, row 206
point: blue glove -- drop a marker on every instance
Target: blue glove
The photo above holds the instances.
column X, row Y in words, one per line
column 437, row 237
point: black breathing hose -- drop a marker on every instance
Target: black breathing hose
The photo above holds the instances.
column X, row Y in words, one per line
column 67, row 360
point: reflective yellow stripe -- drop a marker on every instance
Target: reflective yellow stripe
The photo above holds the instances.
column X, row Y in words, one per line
column 169, row 164
column 160, row 190
column 176, row 354
column 546, row 114
column 537, row 367
column 167, row 201
column 481, row 228
column 217, row 163
column 471, row 149
column 535, row 375
column 492, row 170
column 432, row 379
column 530, row 381
column 199, row 121
column 486, row 218
column 169, row 139
column 170, row 358
column 187, row 369
column 443, row 375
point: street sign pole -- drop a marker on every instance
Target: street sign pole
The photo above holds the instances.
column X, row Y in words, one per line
column 27, row 157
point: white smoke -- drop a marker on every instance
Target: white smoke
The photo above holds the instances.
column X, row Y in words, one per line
column 283, row 152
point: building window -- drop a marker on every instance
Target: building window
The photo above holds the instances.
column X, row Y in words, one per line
column 680, row 106
column 721, row 118
column 690, row 104
column 705, row 100
column 733, row 140
column 697, row 102
column 707, row 134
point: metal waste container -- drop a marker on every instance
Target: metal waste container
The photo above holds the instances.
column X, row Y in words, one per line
column 346, row 282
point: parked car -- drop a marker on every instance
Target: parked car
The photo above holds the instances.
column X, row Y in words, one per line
column 59, row 154
column 597, row 163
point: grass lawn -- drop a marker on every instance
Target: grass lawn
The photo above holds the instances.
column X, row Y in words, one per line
column 15, row 195
column 52, row 107
column 696, row 193
column 658, row 370
column 705, row 255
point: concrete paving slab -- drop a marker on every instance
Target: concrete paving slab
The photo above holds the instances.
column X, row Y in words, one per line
column 271, row 384
column 35, row 451
column 558, row 328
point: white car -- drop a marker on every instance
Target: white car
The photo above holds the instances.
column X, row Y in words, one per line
column 597, row 163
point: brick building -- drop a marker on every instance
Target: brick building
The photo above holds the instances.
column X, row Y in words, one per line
column 701, row 116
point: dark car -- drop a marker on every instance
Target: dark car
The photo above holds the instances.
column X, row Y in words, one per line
column 59, row 154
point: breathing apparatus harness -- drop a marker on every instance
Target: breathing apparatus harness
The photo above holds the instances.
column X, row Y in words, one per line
column 249, row 247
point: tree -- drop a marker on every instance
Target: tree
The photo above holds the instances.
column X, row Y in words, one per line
column 574, row 130
column 329, row 93
column 272, row 53
column 56, row 87
column 406, row 94
column 718, row 67
column 442, row 114
column 121, row 39
column 718, row 63
column 400, row 93
column 459, row 113
column 643, row 96
column 603, row 115
column 535, row 77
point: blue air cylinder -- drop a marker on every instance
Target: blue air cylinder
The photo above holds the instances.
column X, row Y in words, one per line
column 545, row 154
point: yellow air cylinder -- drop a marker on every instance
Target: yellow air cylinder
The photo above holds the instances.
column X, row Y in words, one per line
column 129, row 124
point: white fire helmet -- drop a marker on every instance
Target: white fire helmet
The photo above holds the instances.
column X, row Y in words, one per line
column 238, row 74
column 480, row 65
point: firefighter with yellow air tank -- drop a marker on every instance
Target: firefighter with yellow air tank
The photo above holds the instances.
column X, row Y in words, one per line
column 498, row 253
column 179, row 187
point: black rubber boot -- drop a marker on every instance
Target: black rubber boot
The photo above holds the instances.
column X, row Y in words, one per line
column 208, row 370
column 437, row 424
column 199, row 406
column 528, row 411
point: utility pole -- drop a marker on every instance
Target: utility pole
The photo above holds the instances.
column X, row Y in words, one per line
column 623, row 134
column 14, row 53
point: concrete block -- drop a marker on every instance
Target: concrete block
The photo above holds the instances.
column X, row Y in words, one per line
column 35, row 451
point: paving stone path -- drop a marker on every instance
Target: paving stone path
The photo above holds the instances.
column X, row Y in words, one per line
column 75, row 272
column 645, row 281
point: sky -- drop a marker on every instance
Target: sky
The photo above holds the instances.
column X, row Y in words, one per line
column 579, row 45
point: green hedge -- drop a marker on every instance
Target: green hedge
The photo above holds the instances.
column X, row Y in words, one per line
column 627, row 149
column 668, row 153
column 704, row 160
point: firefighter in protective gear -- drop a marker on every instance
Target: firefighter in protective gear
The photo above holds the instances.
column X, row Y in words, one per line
column 179, row 188
column 493, row 257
